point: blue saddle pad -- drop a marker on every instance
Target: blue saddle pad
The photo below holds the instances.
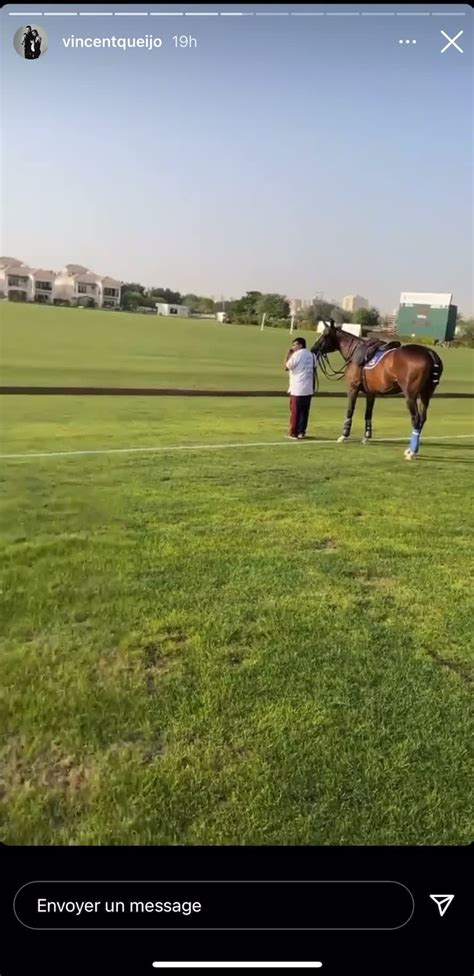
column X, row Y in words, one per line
column 378, row 355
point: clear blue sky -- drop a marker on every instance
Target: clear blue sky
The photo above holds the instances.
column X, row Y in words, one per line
column 291, row 154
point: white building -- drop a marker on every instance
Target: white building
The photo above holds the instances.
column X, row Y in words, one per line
column 352, row 327
column 17, row 281
column 5, row 265
column 77, row 285
column 74, row 285
column 163, row 308
column 352, row 303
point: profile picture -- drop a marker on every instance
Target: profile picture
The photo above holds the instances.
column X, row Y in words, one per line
column 30, row 42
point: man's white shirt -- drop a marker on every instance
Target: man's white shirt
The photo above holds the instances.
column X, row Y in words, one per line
column 301, row 366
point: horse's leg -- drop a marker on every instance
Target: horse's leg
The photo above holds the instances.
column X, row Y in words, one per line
column 369, row 409
column 425, row 397
column 412, row 449
column 346, row 430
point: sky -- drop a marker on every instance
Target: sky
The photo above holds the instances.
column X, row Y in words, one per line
column 296, row 154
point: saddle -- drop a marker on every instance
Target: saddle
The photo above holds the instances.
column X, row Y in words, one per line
column 369, row 350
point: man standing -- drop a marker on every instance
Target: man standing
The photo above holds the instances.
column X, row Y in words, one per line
column 28, row 44
column 301, row 365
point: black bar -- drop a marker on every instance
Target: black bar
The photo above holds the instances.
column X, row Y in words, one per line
column 163, row 391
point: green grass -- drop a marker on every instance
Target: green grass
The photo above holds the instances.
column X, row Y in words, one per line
column 59, row 347
column 253, row 645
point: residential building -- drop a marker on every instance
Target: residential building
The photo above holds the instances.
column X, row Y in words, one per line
column 110, row 292
column 5, row 265
column 352, row 303
column 43, row 286
column 74, row 285
column 77, row 285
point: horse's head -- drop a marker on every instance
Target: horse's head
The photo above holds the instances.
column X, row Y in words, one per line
column 328, row 340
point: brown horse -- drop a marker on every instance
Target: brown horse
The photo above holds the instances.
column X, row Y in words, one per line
column 412, row 370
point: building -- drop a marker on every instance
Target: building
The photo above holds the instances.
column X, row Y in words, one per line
column 77, row 285
column 17, row 281
column 43, row 286
column 74, row 285
column 298, row 304
column 163, row 308
column 352, row 327
column 352, row 303
column 5, row 265
column 110, row 290
column 428, row 314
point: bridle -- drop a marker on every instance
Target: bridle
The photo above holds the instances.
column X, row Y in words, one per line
column 327, row 368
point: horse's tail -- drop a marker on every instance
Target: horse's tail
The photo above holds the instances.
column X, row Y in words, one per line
column 436, row 367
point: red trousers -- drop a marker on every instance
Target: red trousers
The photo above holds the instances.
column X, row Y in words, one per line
column 299, row 414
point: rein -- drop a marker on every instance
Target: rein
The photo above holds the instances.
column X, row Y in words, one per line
column 327, row 368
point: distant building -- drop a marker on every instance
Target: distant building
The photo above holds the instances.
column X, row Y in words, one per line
column 298, row 304
column 352, row 303
column 163, row 308
column 74, row 285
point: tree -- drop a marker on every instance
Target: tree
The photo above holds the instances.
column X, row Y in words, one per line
column 131, row 286
column 466, row 331
column 273, row 305
column 320, row 310
column 340, row 316
column 199, row 303
column 466, row 326
column 368, row 318
column 245, row 309
column 166, row 295
column 132, row 299
column 206, row 305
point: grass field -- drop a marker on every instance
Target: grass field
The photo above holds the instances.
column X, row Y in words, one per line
column 266, row 644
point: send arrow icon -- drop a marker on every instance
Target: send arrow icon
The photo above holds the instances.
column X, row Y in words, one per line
column 443, row 902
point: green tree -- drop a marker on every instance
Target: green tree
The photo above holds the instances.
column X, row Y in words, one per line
column 245, row 309
column 273, row 305
column 166, row 295
column 132, row 299
column 368, row 318
column 206, row 305
column 466, row 326
column 200, row 303
column 340, row 316
column 320, row 310
column 131, row 286
column 466, row 331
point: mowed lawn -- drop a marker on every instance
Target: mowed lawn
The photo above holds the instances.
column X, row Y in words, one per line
column 233, row 644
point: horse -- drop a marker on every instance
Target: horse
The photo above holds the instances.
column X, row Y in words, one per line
column 412, row 370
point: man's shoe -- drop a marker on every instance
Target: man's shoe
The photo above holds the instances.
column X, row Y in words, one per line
column 301, row 437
